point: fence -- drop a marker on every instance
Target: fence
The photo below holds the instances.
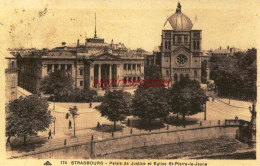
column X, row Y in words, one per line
column 127, row 131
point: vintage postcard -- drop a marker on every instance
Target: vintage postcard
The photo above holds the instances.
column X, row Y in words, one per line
column 131, row 82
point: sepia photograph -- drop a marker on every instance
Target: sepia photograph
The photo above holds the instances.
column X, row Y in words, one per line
column 144, row 82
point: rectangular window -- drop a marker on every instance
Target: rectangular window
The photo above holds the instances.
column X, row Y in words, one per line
column 138, row 79
column 124, row 80
column 56, row 67
column 69, row 67
column 179, row 39
column 124, row 66
column 194, row 45
column 185, row 38
column 134, row 79
column 129, row 67
column 167, row 72
column 81, row 83
column 195, row 73
column 134, row 67
column 139, row 68
column 13, row 81
column 198, row 45
column 62, row 67
column 81, row 72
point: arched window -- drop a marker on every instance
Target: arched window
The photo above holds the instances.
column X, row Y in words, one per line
column 181, row 77
column 175, row 77
column 169, row 44
column 166, row 44
column 194, row 45
column 198, row 45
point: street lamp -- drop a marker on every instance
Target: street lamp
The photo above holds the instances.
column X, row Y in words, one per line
column 205, row 111
column 54, row 119
column 53, row 103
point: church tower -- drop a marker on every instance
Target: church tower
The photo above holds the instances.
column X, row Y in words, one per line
column 180, row 50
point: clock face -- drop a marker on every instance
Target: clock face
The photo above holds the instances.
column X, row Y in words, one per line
column 181, row 60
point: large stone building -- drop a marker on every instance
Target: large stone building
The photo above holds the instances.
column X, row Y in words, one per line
column 88, row 63
column 179, row 54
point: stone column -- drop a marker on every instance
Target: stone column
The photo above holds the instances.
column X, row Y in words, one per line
column 99, row 73
column 135, row 68
column 91, row 76
column 110, row 72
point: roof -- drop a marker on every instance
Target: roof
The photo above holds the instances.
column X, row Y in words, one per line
column 221, row 51
column 179, row 21
column 157, row 49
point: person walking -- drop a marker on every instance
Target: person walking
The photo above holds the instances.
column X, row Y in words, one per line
column 70, row 127
column 90, row 105
column 50, row 137
column 212, row 99
column 98, row 126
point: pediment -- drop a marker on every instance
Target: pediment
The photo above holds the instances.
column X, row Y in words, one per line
column 106, row 56
column 182, row 49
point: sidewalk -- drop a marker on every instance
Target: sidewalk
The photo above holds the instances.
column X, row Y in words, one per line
column 235, row 103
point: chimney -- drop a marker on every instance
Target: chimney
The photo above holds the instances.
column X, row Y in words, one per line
column 220, row 47
column 85, row 42
column 227, row 47
column 63, row 43
column 112, row 41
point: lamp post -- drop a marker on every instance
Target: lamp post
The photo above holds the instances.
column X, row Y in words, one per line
column 53, row 103
column 54, row 119
column 205, row 109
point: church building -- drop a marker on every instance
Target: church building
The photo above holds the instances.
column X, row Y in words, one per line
column 179, row 54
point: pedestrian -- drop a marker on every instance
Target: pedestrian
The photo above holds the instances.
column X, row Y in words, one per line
column 90, row 105
column 70, row 124
column 98, row 126
column 212, row 99
column 128, row 122
column 67, row 116
column 50, row 137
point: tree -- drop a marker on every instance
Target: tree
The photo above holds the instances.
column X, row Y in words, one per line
column 152, row 72
column 74, row 113
column 187, row 97
column 115, row 106
column 26, row 116
column 59, row 83
column 204, row 74
column 150, row 103
column 235, row 75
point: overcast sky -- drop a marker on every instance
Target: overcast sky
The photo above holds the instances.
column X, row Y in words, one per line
column 135, row 23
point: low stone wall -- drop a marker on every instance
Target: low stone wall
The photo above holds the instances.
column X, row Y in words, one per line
column 116, row 144
column 81, row 151
column 140, row 140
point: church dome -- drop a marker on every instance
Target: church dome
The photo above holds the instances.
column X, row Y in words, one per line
column 179, row 21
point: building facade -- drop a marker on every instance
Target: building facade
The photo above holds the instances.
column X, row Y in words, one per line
column 179, row 54
column 11, row 79
column 93, row 65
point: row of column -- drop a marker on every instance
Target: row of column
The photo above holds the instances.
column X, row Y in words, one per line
column 131, row 68
column 58, row 67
